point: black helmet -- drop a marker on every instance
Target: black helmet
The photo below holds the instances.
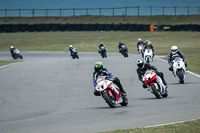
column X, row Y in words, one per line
column 140, row 63
column 98, row 66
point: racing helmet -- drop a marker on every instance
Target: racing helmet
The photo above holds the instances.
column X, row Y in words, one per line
column 70, row 46
column 98, row 66
column 149, row 42
column 139, row 39
column 174, row 49
column 140, row 63
column 11, row 46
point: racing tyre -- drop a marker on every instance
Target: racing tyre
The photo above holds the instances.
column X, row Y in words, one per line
column 181, row 77
column 21, row 57
column 148, row 60
column 125, row 101
column 109, row 100
column 155, row 91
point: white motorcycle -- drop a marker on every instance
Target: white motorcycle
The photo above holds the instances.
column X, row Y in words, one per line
column 110, row 92
column 148, row 55
column 179, row 69
column 141, row 47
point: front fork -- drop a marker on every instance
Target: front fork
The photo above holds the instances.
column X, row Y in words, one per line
column 160, row 82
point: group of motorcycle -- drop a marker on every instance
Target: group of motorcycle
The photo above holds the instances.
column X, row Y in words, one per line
column 123, row 50
column 147, row 53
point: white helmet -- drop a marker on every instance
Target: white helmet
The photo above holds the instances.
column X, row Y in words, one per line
column 11, row 46
column 70, row 46
column 174, row 49
column 139, row 39
column 140, row 63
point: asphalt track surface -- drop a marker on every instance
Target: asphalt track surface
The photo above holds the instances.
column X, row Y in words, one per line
column 52, row 93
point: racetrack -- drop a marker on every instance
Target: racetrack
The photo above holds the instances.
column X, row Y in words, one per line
column 52, row 93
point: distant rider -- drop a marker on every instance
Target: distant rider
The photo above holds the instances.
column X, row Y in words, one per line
column 12, row 50
column 149, row 46
column 99, row 47
column 100, row 71
column 139, row 42
column 143, row 67
column 120, row 46
column 70, row 49
column 173, row 54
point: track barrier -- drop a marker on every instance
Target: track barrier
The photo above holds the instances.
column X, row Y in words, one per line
column 95, row 27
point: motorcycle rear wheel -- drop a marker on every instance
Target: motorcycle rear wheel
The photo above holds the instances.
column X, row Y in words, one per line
column 155, row 91
column 109, row 100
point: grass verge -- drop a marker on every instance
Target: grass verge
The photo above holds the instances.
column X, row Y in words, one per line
column 185, row 127
column 85, row 19
column 2, row 63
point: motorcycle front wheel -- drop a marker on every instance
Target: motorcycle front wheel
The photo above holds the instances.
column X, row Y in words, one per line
column 109, row 100
column 155, row 91
column 181, row 76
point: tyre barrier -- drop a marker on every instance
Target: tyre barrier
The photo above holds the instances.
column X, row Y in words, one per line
column 124, row 27
column 86, row 27
column 47, row 27
column 100, row 27
column 95, row 27
column 55, row 27
column 78, row 27
column 31, row 28
column 23, row 27
column 132, row 27
column 39, row 27
column 15, row 28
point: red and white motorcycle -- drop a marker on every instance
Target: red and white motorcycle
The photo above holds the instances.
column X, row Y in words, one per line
column 110, row 92
column 155, row 84
column 17, row 54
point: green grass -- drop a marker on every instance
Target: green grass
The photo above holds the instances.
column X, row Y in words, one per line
column 185, row 127
column 87, row 41
column 2, row 63
column 158, row 20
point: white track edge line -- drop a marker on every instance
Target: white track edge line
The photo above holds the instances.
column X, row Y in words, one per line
column 169, row 123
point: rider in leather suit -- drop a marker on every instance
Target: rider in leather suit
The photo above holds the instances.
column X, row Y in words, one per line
column 143, row 67
column 173, row 54
column 100, row 71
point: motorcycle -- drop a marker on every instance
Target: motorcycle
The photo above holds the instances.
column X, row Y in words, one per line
column 110, row 92
column 155, row 84
column 102, row 51
column 148, row 55
column 74, row 54
column 179, row 69
column 17, row 54
column 124, row 51
column 141, row 48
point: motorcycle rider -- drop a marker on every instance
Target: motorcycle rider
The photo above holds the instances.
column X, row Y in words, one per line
column 143, row 67
column 148, row 46
column 70, row 49
column 12, row 50
column 99, row 70
column 99, row 47
column 139, row 42
column 120, row 46
column 173, row 54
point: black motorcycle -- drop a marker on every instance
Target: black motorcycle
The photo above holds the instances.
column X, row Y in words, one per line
column 102, row 51
column 124, row 50
column 74, row 54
